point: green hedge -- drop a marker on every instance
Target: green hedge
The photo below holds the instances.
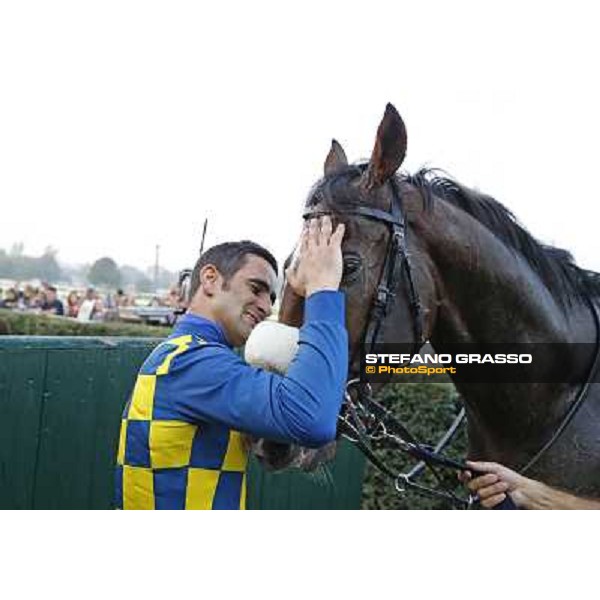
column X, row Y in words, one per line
column 22, row 323
column 427, row 410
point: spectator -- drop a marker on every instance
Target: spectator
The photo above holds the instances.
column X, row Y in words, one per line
column 88, row 306
column 33, row 298
column 21, row 302
column 11, row 299
column 120, row 298
column 100, row 311
column 172, row 299
column 72, row 308
column 52, row 305
column 109, row 302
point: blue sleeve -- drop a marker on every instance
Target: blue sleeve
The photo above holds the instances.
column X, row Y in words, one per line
column 213, row 383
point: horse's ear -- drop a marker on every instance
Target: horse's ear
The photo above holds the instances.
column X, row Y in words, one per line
column 389, row 150
column 336, row 159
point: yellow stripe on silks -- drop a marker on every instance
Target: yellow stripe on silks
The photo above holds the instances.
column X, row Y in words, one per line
column 236, row 457
column 201, row 488
column 183, row 343
column 122, row 436
column 171, row 444
column 138, row 488
column 142, row 400
column 243, row 494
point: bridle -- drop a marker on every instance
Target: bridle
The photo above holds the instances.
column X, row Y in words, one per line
column 397, row 262
column 364, row 421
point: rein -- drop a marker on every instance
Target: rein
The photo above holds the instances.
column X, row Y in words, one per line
column 577, row 403
column 366, row 423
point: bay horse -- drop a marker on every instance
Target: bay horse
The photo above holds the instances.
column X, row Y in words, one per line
column 478, row 277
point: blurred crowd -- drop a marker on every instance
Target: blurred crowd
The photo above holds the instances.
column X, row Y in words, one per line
column 84, row 305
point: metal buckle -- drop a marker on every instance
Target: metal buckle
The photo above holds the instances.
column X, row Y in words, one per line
column 382, row 299
column 398, row 238
column 401, row 489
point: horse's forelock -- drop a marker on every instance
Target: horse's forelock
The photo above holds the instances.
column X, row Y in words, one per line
column 335, row 191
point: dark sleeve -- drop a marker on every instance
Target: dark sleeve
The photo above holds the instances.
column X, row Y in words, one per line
column 214, row 383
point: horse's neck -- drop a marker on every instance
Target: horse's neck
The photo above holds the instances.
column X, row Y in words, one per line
column 487, row 293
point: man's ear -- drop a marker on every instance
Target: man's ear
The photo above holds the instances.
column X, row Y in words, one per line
column 210, row 279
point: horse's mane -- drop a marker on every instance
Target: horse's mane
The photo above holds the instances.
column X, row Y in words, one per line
column 555, row 266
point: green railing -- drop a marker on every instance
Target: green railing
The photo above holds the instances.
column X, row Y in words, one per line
column 60, row 405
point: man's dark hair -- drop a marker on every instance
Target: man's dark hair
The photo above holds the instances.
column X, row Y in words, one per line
column 228, row 258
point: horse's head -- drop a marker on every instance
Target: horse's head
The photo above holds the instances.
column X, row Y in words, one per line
column 361, row 196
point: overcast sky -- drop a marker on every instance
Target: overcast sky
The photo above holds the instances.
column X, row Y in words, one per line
column 124, row 124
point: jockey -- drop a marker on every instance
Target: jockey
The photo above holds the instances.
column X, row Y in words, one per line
column 181, row 443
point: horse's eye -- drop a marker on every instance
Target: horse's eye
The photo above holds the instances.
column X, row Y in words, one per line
column 351, row 267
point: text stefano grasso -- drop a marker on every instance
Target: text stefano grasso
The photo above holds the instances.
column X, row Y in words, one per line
column 444, row 359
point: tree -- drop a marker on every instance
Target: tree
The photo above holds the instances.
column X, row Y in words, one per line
column 18, row 265
column 105, row 272
column 130, row 275
column 17, row 249
column 47, row 266
column 165, row 279
column 6, row 265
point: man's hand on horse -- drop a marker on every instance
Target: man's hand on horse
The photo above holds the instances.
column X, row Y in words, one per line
column 318, row 263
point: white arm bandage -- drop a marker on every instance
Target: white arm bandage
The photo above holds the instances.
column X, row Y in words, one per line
column 272, row 346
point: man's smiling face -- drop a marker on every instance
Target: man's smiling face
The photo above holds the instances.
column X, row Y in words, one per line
column 246, row 299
